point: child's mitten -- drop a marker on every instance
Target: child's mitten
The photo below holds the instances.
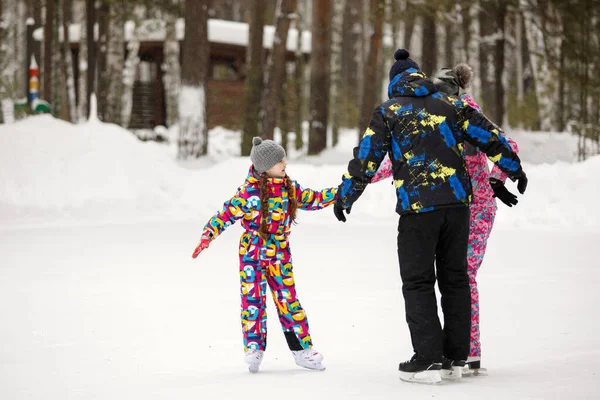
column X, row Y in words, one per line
column 203, row 245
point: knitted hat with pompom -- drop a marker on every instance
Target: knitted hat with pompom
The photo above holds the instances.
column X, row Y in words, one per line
column 452, row 80
column 265, row 154
column 402, row 63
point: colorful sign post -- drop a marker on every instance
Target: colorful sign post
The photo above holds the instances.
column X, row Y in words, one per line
column 34, row 80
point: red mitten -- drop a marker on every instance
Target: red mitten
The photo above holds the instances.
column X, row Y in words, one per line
column 203, row 245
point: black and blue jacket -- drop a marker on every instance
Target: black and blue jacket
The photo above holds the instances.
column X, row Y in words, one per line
column 423, row 132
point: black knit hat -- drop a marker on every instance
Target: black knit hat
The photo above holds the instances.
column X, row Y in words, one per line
column 402, row 63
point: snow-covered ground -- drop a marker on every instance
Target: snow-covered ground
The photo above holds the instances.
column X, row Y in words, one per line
column 100, row 299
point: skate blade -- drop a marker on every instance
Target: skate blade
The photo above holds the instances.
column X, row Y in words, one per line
column 314, row 367
column 427, row 377
column 474, row 372
column 452, row 374
column 253, row 368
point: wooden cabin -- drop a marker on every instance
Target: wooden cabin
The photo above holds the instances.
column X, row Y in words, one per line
column 226, row 84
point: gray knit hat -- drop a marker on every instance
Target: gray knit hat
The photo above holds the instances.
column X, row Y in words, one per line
column 447, row 81
column 451, row 81
column 265, row 154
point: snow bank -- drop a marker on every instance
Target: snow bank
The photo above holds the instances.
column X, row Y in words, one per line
column 545, row 147
column 52, row 171
column 49, row 164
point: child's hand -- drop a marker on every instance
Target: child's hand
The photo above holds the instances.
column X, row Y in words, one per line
column 203, row 245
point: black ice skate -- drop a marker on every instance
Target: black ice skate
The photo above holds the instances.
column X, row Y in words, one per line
column 420, row 371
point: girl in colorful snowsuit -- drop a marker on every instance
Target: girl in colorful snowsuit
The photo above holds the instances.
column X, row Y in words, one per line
column 266, row 204
column 486, row 186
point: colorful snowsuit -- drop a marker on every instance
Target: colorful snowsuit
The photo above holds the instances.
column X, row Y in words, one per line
column 268, row 262
column 423, row 131
column 483, row 211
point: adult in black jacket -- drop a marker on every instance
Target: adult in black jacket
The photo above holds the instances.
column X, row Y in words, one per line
column 423, row 132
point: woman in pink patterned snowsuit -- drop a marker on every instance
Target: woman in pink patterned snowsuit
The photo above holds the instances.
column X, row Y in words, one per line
column 486, row 186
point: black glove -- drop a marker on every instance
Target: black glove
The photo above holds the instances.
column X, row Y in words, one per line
column 338, row 210
column 522, row 182
column 502, row 193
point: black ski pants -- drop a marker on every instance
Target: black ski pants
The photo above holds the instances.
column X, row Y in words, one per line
column 441, row 237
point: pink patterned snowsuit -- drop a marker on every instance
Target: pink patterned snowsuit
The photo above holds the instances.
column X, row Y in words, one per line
column 483, row 211
column 267, row 262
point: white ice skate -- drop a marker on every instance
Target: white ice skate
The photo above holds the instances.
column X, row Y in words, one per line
column 452, row 369
column 253, row 358
column 309, row 358
column 473, row 367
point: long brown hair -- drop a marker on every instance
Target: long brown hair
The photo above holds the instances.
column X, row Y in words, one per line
column 264, row 202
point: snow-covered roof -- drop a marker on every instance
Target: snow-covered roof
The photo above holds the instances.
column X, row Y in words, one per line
column 219, row 31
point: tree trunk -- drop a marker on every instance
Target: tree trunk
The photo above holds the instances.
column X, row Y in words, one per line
column 91, row 52
column 336, row 66
column 393, row 19
column 449, row 50
column 501, row 9
column 47, row 72
column 472, row 38
column 409, row 26
column 34, row 11
column 284, row 111
column 115, row 62
column 584, row 88
column 131, row 63
column 193, row 127
column 104, row 18
column 397, row 25
column 254, row 79
column 8, row 61
column 68, row 62
column 363, row 48
column 82, row 56
column 519, row 63
column 299, row 71
column 486, row 59
column 350, row 59
column 542, row 71
column 369, row 91
column 22, row 58
column 276, row 67
column 172, row 74
column 429, row 50
column 9, row 64
column 319, row 76
column 57, row 99
column 561, row 106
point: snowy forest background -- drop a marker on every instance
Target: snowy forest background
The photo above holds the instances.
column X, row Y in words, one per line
column 536, row 62
column 99, row 212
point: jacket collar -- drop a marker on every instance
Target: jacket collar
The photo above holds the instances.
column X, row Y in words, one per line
column 411, row 83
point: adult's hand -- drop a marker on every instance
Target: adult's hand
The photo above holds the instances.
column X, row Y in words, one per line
column 338, row 210
column 522, row 182
column 502, row 193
